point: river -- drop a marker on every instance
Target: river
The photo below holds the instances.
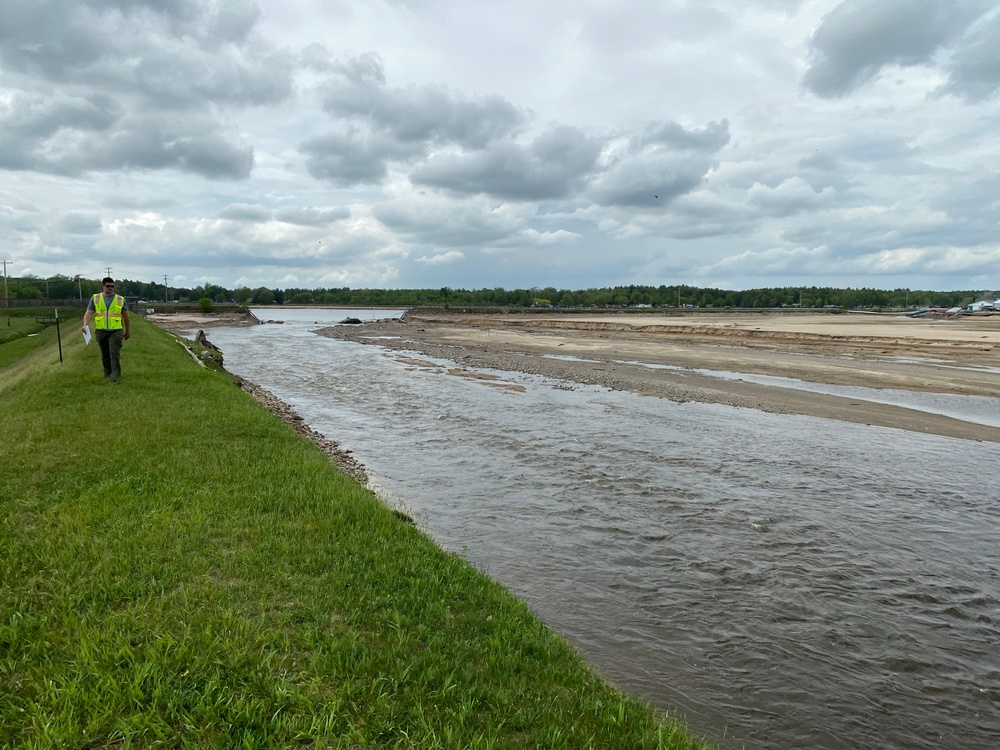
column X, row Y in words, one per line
column 777, row 581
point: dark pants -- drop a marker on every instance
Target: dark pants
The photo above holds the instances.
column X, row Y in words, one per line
column 111, row 349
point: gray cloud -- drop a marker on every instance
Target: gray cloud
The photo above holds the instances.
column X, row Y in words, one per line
column 394, row 125
column 702, row 214
column 253, row 212
column 973, row 205
column 873, row 147
column 60, row 40
column 975, row 66
column 35, row 117
column 196, row 76
column 311, row 217
column 73, row 146
column 820, row 162
column 80, row 222
column 132, row 84
column 30, row 122
column 859, row 38
column 354, row 158
column 662, row 162
column 143, row 144
column 426, row 114
column 233, row 21
column 555, row 165
column 710, row 138
column 790, row 197
column 444, row 223
column 649, row 180
column 70, row 135
column 210, row 156
column 39, row 37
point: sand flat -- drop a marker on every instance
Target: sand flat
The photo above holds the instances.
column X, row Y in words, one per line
column 663, row 355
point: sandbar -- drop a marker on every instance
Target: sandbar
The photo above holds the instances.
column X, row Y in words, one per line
column 959, row 356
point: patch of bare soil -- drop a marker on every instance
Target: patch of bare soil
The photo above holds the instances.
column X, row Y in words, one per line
column 184, row 320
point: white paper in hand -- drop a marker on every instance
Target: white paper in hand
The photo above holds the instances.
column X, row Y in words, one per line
column 86, row 336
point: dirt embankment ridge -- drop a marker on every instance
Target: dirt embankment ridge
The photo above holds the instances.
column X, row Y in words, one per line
column 751, row 336
column 980, row 331
column 184, row 320
column 661, row 356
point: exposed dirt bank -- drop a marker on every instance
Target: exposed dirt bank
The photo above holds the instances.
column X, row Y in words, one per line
column 184, row 320
column 959, row 356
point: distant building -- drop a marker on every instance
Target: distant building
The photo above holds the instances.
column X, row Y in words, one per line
column 982, row 305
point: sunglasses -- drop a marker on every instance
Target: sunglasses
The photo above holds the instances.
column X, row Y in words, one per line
column 109, row 286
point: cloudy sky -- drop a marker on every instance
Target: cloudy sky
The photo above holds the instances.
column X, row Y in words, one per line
column 513, row 143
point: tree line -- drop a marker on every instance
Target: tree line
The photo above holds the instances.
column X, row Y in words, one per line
column 633, row 295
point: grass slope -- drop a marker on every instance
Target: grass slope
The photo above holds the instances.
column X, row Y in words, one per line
column 179, row 569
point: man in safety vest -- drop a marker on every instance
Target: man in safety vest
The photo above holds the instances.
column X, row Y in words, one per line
column 111, row 324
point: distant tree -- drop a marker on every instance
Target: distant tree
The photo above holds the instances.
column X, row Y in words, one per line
column 263, row 297
column 25, row 287
column 242, row 294
column 206, row 304
column 302, row 298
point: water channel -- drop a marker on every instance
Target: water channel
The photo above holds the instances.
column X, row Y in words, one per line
column 779, row 581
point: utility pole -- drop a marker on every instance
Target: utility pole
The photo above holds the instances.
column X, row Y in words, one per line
column 79, row 285
column 165, row 289
column 109, row 270
column 6, row 297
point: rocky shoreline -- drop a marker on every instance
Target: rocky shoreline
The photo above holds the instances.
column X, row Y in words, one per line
column 340, row 457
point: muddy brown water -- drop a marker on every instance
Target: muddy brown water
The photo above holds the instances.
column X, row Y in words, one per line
column 778, row 581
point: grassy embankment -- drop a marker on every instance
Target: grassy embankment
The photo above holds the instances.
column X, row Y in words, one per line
column 179, row 569
column 21, row 324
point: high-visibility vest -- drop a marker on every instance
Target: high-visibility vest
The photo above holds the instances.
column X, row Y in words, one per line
column 108, row 318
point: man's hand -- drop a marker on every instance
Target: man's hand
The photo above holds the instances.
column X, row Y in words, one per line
column 128, row 334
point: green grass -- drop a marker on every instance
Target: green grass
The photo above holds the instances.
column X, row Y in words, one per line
column 179, row 569
column 20, row 323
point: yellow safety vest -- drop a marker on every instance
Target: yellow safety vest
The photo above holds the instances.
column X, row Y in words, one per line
column 108, row 319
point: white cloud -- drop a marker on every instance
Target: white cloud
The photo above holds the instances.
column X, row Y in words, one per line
column 558, row 237
column 451, row 256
